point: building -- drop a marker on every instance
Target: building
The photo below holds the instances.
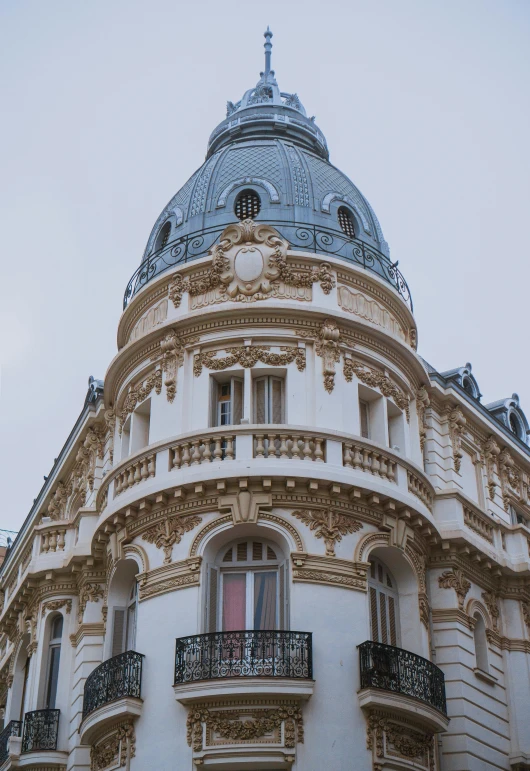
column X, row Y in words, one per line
column 276, row 538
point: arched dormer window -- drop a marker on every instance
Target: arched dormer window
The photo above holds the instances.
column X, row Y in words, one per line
column 468, row 386
column 163, row 236
column 383, row 598
column 481, row 643
column 247, row 587
column 346, row 221
column 248, row 205
column 54, row 658
column 515, row 425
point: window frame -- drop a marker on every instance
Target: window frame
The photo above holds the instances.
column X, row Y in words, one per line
column 216, row 385
column 380, row 588
column 268, row 380
column 54, row 647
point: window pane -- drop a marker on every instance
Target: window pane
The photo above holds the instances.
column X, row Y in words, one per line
column 234, row 601
column 265, row 600
column 131, row 628
column 53, row 676
column 365, row 427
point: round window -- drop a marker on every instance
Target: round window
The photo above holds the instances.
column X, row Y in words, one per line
column 248, row 205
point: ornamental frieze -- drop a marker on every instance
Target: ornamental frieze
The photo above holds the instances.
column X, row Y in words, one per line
column 365, row 307
column 115, row 749
column 328, row 525
column 392, row 740
column 249, row 263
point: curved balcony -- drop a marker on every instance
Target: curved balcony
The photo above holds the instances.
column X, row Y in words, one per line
column 41, row 730
column 250, row 662
column 404, row 682
column 13, row 728
column 113, row 690
column 272, row 450
column 303, row 237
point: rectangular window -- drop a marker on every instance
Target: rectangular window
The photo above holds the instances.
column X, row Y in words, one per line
column 53, row 676
column 364, row 418
column 234, row 601
column 269, row 400
column 227, row 402
column 265, row 600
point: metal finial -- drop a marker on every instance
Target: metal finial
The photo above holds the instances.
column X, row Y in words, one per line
column 268, row 49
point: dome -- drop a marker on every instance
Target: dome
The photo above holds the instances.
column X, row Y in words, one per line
column 268, row 148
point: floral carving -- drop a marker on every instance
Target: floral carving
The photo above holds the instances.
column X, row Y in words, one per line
column 169, row 532
column 57, row 506
column 328, row 525
column 510, row 477
column 53, row 605
column 88, row 593
column 229, row 726
column 492, row 604
column 491, row 452
column 455, row 579
column 376, row 379
column 393, row 739
column 110, row 422
column 247, row 264
column 172, row 358
column 457, row 423
column 327, row 347
column 114, row 750
column 525, row 607
column 138, row 393
column 248, row 356
column 422, row 403
column 423, row 604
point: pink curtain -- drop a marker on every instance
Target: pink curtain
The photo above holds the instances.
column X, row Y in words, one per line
column 234, row 602
column 265, row 601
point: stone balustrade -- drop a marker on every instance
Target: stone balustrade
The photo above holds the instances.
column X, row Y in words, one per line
column 418, row 488
column 289, row 446
column 53, row 540
column 369, row 459
column 202, row 449
column 478, row 523
column 139, row 470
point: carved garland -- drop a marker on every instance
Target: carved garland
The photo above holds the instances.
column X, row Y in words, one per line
column 492, row 604
column 328, row 525
column 249, row 356
column 490, row 454
column 88, row 593
column 457, row 423
column 411, row 745
column 422, row 403
column 138, row 393
column 169, row 532
column 229, row 727
column 52, row 605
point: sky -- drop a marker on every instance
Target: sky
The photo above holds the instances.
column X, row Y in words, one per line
column 106, row 108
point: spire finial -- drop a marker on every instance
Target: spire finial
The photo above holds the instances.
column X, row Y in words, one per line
column 268, row 48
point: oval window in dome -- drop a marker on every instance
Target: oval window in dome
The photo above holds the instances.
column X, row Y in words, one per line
column 346, row 221
column 248, row 205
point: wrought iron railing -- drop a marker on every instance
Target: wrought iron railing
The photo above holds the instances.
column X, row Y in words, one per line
column 116, row 678
column 41, row 729
column 244, row 654
column 309, row 238
column 393, row 669
column 13, row 728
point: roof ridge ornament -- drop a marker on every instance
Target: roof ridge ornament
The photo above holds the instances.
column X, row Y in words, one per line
column 268, row 51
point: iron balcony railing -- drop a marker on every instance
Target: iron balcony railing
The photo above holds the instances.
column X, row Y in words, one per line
column 393, row 669
column 309, row 238
column 116, row 678
column 244, row 654
column 41, row 729
column 13, row 728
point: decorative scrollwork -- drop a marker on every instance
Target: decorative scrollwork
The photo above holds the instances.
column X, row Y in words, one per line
column 455, row 579
column 376, row 379
column 138, row 393
column 169, row 532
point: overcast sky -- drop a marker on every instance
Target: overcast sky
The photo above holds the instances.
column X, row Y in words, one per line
column 106, row 108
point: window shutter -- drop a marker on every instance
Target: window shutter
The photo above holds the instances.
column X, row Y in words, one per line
column 237, row 401
column 373, row 615
column 365, row 426
column 131, row 628
column 382, row 608
column 213, row 583
column 284, row 598
column 118, row 631
column 260, row 390
column 214, row 398
column 276, row 388
column 392, row 621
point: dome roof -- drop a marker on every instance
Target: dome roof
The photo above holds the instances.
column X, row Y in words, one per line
column 268, row 145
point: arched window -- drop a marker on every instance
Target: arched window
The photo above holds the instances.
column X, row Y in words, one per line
column 481, row 643
column 247, row 587
column 54, row 658
column 468, row 386
column 163, row 236
column 122, row 608
column 384, row 611
column 248, row 205
column 346, row 221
